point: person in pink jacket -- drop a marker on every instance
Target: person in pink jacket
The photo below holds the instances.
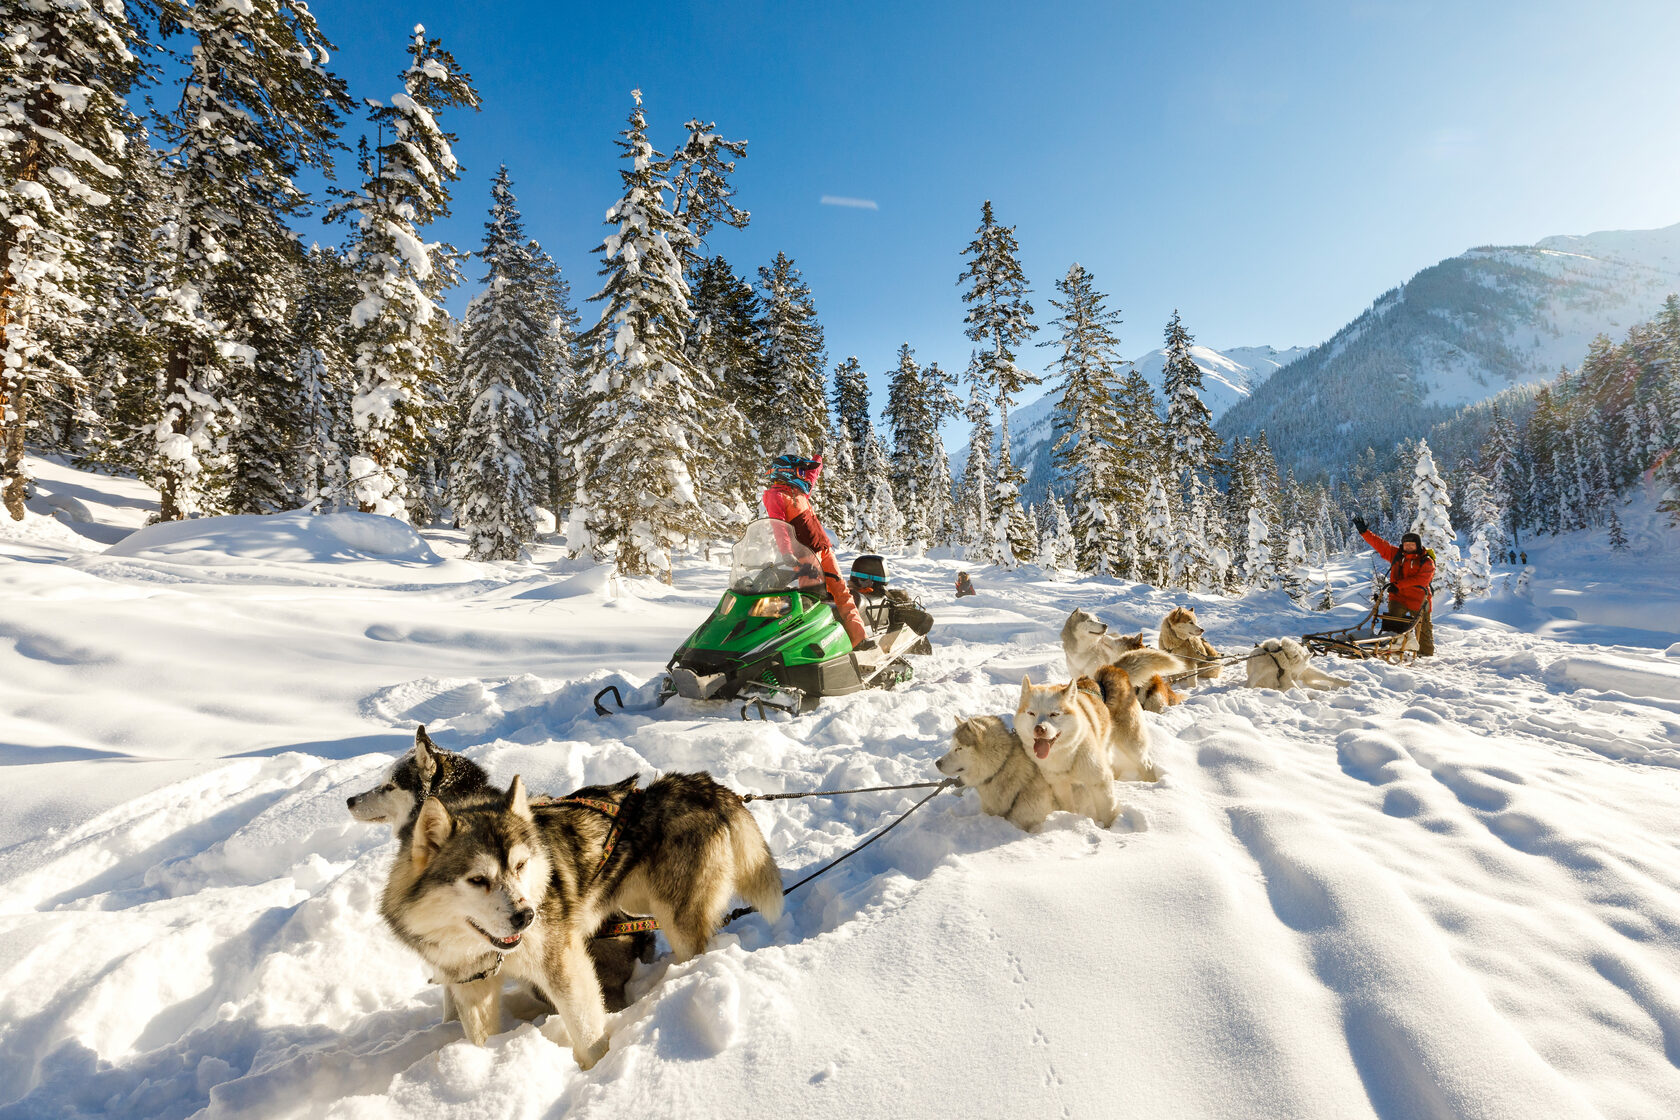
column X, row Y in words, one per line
column 788, row 498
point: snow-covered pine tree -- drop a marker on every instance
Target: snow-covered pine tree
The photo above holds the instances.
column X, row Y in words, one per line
column 1433, row 522
column 1156, row 546
column 727, row 351
column 119, row 356
column 1088, row 427
column 699, row 172
column 321, row 365
column 1257, row 556
column 499, row 391
column 849, row 409
column 1616, row 535
column 65, row 69
column 918, row 401
column 1295, row 555
column 1138, row 443
column 257, row 105
column 793, row 360
column 999, row 318
column 551, row 294
column 642, row 396
column 974, row 507
column 880, row 524
column 400, row 332
column 840, row 490
column 939, row 506
column 1067, row 547
column 1192, row 453
column 1326, row 598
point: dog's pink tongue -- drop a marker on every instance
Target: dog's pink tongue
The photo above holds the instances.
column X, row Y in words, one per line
column 1041, row 746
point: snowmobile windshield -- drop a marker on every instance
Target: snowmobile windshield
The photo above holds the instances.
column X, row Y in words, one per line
column 768, row 557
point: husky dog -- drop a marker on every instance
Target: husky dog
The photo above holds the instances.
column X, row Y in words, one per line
column 493, row 885
column 1083, row 735
column 1283, row 663
column 1089, row 646
column 1181, row 635
column 986, row 756
column 1158, row 695
column 429, row 770
column 425, row 771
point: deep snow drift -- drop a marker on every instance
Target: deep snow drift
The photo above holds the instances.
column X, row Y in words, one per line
column 1449, row 890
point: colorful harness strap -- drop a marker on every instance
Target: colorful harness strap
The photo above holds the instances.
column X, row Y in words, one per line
column 610, row 810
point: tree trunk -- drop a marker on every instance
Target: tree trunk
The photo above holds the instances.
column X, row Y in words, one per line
column 176, row 374
column 14, row 381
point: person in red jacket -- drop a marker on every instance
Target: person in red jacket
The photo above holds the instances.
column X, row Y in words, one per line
column 1411, row 569
column 787, row 498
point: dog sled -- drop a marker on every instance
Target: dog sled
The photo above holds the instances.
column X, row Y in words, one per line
column 1386, row 637
column 773, row 642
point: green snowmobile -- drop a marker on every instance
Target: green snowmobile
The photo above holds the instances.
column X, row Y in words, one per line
column 774, row 641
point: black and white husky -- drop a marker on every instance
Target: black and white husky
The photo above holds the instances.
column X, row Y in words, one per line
column 492, row 886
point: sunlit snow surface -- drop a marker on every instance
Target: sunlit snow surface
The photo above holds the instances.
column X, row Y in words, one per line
column 1449, row 890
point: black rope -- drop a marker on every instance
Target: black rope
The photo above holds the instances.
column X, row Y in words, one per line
column 836, row 792
column 745, row 910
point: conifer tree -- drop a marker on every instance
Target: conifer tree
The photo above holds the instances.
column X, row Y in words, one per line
column 917, row 401
column 551, row 296
column 880, row 524
column 1156, row 545
column 1257, row 556
column 1616, row 535
column 400, row 330
column 258, row 105
column 975, row 505
column 500, row 390
column 797, row 411
column 64, row 132
column 699, row 171
column 643, row 394
column 999, row 319
column 321, row 367
column 1088, row 427
column 850, row 406
column 1433, row 521
column 726, row 347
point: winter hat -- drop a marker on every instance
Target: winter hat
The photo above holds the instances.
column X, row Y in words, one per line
column 796, row 470
column 1414, row 538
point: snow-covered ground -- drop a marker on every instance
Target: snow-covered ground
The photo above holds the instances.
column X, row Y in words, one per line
column 1449, row 890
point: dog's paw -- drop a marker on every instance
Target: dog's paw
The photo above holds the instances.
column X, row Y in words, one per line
column 587, row 1056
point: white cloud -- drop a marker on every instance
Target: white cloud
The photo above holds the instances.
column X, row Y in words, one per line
column 854, row 203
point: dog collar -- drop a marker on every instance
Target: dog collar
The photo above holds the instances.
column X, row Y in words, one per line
column 1091, row 688
column 482, row 974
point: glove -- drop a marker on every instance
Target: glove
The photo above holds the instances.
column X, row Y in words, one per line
column 1360, row 527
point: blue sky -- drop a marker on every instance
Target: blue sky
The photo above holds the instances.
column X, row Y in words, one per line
column 1267, row 168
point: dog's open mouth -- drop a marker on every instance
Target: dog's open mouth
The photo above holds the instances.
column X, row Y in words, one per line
column 1042, row 745
column 503, row 944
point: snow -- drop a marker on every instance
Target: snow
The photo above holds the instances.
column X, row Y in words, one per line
column 1447, row 890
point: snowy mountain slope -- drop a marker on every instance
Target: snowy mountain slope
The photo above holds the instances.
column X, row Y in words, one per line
column 1456, row 333
column 1448, row 890
column 1227, row 377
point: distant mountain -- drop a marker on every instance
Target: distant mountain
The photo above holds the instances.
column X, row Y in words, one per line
column 1457, row 333
column 1228, row 376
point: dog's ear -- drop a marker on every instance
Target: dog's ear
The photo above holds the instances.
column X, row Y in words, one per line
column 1026, row 685
column 431, row 830
column 1071, row 692
column 425, row 760
column 517, row 804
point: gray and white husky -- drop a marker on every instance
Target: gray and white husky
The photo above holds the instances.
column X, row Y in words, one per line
column 493, row 886
column 428, row 770
column 1088, row 646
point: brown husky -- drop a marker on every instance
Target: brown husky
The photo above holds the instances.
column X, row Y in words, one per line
column 1181, row 634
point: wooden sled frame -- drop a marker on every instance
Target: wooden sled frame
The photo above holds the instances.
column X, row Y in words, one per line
column 1365, row 639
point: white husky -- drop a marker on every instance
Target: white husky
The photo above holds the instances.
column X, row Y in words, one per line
column 1283, row 663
